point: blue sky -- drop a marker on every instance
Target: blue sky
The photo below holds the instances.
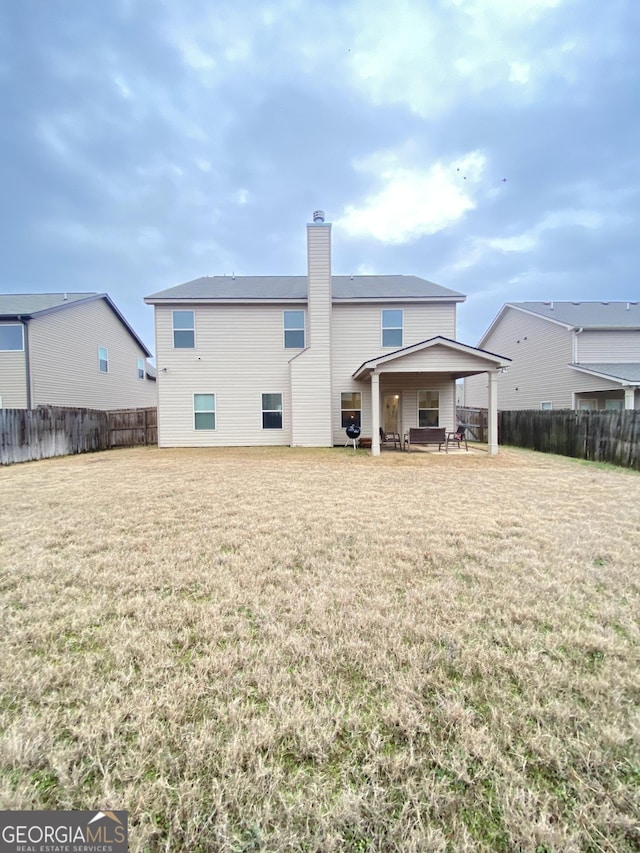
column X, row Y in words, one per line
column 148, row 142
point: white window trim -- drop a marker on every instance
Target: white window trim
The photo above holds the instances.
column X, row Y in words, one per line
column 174, row 330
column 350, row 409
column 280, row 411
column 546, row 406
column 420, row 408
column 139, row 362
column 21, row 327
column 213, row 411
column 106, row 350
column 384, row 328
column 303, row 329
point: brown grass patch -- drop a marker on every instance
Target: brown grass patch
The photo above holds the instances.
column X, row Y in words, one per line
column 280, row 649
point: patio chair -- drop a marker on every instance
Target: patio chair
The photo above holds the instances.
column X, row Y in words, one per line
column 390, row 438
column 458, row 437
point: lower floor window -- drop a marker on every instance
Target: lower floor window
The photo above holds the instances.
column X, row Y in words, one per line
column 272, row 411
column 428, row 408
column 351, row 408
column 204, row 411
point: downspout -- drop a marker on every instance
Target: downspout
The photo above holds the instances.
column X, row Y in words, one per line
column 27, row 360
column 576, row 332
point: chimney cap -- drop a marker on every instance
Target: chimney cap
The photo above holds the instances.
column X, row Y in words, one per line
column 318, row 215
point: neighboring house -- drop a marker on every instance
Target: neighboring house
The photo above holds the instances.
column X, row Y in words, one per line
column 294, row 360
column 565, row 355
column 71, row 349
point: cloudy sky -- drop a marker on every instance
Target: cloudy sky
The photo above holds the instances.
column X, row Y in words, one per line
column 148, row 142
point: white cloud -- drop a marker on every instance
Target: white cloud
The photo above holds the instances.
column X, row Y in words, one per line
column 462, row 50
column 412, row 202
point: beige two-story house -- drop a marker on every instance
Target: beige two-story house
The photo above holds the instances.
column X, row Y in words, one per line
column 71, row 349
column 565, row 355
column 293, row 360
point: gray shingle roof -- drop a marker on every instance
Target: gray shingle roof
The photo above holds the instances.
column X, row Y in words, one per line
column 625, row 372
column 614, row 315
column 12, row 304
column 283, row 288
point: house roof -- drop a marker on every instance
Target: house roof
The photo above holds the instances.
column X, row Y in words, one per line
column 594, row 315
column 25, row 306
column 14, row 304
column 294, row 289
column 624, row 373
column 498, row 361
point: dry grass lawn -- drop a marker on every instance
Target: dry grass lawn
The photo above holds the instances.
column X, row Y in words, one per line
column 299, row 650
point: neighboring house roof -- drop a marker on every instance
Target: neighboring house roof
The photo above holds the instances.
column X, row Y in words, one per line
column 294, row 288
column 578, row 315
column 624, row 373
column 25, row 306
column 372, row 363
column 14, row 304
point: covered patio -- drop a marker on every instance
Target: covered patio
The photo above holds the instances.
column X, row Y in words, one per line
column 416, row 386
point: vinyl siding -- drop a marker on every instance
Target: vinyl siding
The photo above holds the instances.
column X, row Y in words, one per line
column 541, row 352
column 64, row 360
column 13, row 380
column 239, row 355
column 621, row 346
column 356, row 336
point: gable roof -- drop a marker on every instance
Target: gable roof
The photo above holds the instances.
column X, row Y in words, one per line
column 499, row 361
column 26, row 306
column 576, row 315
column 293, row 288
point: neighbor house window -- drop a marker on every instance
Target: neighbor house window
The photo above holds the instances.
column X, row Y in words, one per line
column 546, row 406
column 204, row 411
column 184, row 330
column 141, row 368
column 272, row 411
column 351, row 408
column 615, row 403
column 103, row 359
column 11, row 336
column 428, row 408
column 392, row 323
column 293, row 329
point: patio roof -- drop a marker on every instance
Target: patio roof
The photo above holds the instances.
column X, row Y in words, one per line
column 461, row 359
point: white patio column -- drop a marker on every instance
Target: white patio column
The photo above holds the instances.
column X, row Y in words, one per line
column 493, row 412
column 629, row 398
column 375, row 414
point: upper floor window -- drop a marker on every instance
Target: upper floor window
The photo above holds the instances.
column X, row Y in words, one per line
column 11, row 337
column 184, row 330
column 141, row 368
column 103, row 359
column 392, row 325
column 428, row 408
column 272, row 411
column 204, row 411
column 351, row 408
column 294, row 329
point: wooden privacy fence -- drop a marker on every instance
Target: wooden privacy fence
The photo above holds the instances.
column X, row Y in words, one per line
column 601, row 436
column 474, row 422
column 27, row 434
